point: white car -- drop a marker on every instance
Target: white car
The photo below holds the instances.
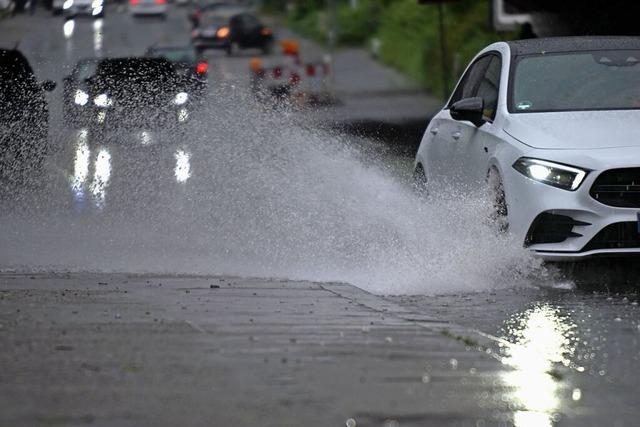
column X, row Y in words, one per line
column 148, row 7
column 553, row 125
column 72, row 8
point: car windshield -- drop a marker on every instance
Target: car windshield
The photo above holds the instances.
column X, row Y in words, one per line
column 176, row 54
column 120, row 70
column 589, row 80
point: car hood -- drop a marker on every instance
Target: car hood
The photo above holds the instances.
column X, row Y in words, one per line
column 586, row 130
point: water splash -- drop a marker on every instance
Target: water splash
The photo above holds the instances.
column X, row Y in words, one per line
column 267, row 195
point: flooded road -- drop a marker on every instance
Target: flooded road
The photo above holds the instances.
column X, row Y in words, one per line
column 478, row 332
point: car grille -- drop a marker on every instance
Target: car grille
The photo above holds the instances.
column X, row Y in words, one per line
column 620, row 235
column 549, row 227
column 618, row 187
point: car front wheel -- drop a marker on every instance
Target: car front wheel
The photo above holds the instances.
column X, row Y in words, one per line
column 499, row 211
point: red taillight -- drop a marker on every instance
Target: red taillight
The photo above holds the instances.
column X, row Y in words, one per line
column 160, row 1
column 134, row 2
column 277, row 73
column 202, row 67
column 311, row 70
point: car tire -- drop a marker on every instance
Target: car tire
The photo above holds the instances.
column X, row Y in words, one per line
column 420, row 180
column 499, row 217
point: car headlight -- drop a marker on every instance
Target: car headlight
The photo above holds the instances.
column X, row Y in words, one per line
column 81, row 97
column 103, row 100
column 554, row 174
column 67, row 4
column 96, row 4
column 181, row 98
column 223, row 32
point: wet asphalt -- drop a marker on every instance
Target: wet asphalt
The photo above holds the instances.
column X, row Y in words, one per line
column 149, row 350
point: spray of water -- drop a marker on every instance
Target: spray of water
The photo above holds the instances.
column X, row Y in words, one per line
column 246, row 191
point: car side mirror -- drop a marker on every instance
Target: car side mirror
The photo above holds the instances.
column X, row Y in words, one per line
column 469, row 109
column 48, row 85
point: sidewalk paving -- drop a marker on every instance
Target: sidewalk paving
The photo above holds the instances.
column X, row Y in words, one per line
column 118, row 350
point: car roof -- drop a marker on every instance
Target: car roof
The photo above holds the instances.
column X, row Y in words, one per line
column 571, row 44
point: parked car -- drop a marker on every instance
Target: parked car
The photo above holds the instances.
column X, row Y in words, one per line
column 74, row 8
column 148, row 7
column 195, row 70
column 24, row 116
column 127, row 93
column 231, row 32
column 551, row 125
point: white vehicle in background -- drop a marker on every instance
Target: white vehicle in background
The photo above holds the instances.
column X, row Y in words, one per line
column 73, row 8
column 552, row 126
column 148, row 7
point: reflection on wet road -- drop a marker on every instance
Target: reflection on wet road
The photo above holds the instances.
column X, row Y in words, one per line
column 571, row 355
column 536, row 342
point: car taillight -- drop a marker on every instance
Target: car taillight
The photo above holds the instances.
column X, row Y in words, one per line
column 134, row 2
column 202, row 67
column 311, row 70
column 160, row 1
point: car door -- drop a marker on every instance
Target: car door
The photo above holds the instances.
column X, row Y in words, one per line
column 444, row 153
column 482, row 141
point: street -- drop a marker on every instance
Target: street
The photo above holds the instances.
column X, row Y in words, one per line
column 263, row 266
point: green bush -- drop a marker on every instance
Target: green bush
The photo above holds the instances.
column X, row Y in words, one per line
column 408, row 33
column 410, row 39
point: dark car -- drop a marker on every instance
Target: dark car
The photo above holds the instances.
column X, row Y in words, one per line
column 194, row 70
column 24, row 115
column 134, row 92
column 231, row 31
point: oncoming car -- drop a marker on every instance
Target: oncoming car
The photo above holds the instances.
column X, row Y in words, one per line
column 114, row 93
column 552, row 126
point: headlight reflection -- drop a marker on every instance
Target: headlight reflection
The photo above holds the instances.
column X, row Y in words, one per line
column 182, row 170
column 101, row 177
column 538, row 341
column 97, row 33
column 80, row 166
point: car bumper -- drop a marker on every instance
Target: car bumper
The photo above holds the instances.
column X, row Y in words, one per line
column 106, row 118
column 148, row 9
column 210, row 43
column 597, row 230
column 82, row 10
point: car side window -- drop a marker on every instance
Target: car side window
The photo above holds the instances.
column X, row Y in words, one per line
column 468, row 86
column 489, row 87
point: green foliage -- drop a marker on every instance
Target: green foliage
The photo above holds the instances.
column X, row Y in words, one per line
column 408, row 33
column 410, row 39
